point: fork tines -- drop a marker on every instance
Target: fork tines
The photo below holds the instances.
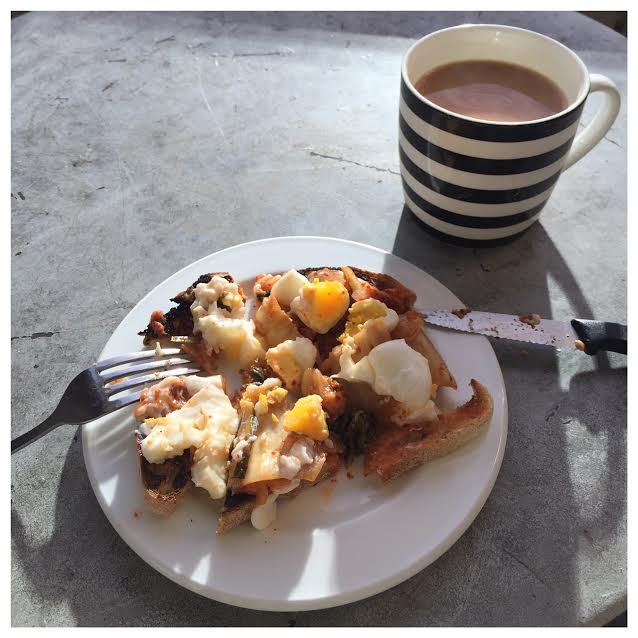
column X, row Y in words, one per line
column 135, row 356
column 119, row 374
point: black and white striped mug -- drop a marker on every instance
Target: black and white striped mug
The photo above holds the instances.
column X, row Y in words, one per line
column 481, row 182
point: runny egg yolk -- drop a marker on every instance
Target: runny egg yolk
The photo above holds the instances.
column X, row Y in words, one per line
column 308, row 418
column 321, row 304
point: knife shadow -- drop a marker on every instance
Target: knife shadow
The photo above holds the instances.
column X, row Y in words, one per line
column 534, row 525
column 556, row 497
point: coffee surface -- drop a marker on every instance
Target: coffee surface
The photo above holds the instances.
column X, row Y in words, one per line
column 492, row 90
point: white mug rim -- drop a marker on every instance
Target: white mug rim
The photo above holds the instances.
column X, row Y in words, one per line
column 582, row 96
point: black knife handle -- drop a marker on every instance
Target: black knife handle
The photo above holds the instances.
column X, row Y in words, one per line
column 601, row 335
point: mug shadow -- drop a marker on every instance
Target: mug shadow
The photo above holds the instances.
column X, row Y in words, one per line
column 533, row 526
column 538, row 516
column 537, row 522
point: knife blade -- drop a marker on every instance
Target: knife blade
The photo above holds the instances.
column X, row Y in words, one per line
column 588, row 336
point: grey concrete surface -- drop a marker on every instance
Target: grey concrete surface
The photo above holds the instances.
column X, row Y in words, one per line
column 141, row 142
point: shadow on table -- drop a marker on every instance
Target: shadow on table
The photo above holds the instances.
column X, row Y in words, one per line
column 537, row 515
column 126, row 591
column 528, row 519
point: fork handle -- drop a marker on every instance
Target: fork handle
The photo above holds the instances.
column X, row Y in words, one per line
column 35, row 433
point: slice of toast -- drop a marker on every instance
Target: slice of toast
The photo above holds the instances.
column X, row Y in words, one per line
column 395, row 450
column 178, row 321
column 165, row 484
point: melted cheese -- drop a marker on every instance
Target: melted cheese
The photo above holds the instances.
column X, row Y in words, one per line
column 195, row 384
column 264, row 515
column 263, row 462
column 207, row 422
column 301, row 453
column 218, row 314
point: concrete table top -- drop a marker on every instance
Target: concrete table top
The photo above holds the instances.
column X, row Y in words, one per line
column 142, row 142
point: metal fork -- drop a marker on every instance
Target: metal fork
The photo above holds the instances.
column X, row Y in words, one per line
column 106, row 387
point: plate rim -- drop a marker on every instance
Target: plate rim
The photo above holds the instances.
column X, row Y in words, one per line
column 333, row 600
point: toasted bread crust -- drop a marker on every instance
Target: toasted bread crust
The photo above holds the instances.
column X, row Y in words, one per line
column 316, row 270
column 379, row 286
column 399, row 449
column 165, row 484
column 164, row 504
column 178, row 321
column 235, row 514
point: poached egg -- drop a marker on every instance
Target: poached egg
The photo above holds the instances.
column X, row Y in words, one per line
column 394, row 369
column 218, row 314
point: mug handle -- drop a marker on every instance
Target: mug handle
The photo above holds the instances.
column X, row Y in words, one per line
column 604, row 118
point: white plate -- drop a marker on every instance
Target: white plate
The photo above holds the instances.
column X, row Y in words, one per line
column 338, row 542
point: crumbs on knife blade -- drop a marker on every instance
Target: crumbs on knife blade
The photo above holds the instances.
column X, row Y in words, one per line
column 531, row 320
column 461, row 312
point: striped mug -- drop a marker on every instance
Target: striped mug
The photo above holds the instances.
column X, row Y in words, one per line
column 480, row 182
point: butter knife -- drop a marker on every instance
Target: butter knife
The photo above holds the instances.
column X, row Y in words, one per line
column 580, row 334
